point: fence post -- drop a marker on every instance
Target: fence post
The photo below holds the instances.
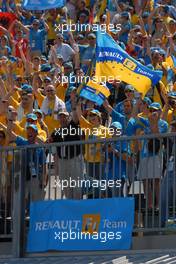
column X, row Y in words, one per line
column 18, row 205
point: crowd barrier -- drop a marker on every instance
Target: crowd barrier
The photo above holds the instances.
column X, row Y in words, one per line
column 142, row 167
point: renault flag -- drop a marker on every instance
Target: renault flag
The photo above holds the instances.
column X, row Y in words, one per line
column 42, row 4
column 95, row 92
column 112, row 60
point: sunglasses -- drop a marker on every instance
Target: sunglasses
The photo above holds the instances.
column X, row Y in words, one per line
column 153, row 110
column 49, row 91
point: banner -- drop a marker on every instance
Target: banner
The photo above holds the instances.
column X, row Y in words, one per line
column 97, row 224
column 112, row 60
column 6, row 19
column 95, row 92
column 42, row 4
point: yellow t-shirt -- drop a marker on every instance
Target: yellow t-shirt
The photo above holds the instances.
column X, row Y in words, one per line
column 51, row 123
column 93, row 152
column 61, row 91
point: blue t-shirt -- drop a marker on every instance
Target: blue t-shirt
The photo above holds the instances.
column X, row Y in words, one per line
column 143, row 123
column 37, row 39
column 35, row 159
column 124, row 36
column 116, row 167
column 122, row 119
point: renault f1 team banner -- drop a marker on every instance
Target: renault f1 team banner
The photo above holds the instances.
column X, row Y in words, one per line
column 100, row 224
column 42, row 4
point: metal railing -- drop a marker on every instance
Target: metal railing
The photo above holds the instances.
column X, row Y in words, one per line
column 143, row 167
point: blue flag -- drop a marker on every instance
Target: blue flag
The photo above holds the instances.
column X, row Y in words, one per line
column 95, row 92
column 97, row 224
column 42, row 4
column 113, row 61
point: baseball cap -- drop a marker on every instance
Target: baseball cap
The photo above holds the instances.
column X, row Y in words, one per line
column 31, row 116
column 145, row 14
column 26, row 88
column 172, row 95
column 45, row 67
column 68, row 65
column 129, row 87
column 95, row 112
column 91, row 35
column 116, row 125
column 63, row 113
column 38, row 111
column 155, row 106
column 59, row 56
column 34, row 127
column 47, row 79
column 147, row 100
column 124, row 14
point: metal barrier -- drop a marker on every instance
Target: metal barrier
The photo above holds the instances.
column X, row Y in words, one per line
column 143, row 167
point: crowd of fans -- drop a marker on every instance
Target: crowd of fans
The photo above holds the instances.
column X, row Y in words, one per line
column 38, row 51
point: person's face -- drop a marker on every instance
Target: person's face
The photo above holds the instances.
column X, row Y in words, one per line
column 36, row 62
column 46, row 83
column 59, row 40
column 157, row 58
column 3, row 42
column 91, row 41
column 2, row 138
column 173, row 128
column 63, row 119
column 3, row 106
column 154, row 114
column 50, row 92
column 172, row 27
column 94, row 119
column 31, row 135
column 138, row 39
column 127, row 107
column 25, row 100
column 82, row 19
column 159, row 24
column 35, row 26
column 129, row 94
column 31, row 121
column 39, row 116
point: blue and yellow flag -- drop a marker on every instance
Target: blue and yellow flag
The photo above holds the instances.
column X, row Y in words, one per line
column 95, row 92
column 171, row 61
column 113, row 61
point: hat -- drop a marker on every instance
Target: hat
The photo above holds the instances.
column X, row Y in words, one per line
column 91, row 35
column 145, row 14
column 60, row 35
column 47, row 79
column 38, row 111
column 71, row 89
column 147, row 100
column 172, row 95
column 43, row 58
column 68, row 65
column 45, row 67
column 3, row 132
column 150, row 66
column 95, row 112
column 116, row 125
column 129, row 87
column 31, row 116
column 26, row 88
column 114, row 31
column 36, row 21
column 80, row 36
column 124, row 14
column 83, row 14
column 63, row 113
column 155, row 106
column 59, row 56
column 34, row 127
